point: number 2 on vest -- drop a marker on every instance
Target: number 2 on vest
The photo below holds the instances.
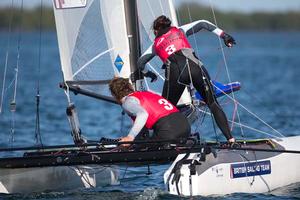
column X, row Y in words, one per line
column 170, row 49
column 166, row 104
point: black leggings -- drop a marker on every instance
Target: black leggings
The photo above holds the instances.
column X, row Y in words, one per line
column 180, row 73
column 171, row 127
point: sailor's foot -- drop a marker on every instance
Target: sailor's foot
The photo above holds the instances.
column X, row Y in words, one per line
column 81, row 141
column 231, row 140
column 235, row 145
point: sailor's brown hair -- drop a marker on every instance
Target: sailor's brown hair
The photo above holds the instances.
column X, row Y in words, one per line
column 161, row 22
column 120, row 87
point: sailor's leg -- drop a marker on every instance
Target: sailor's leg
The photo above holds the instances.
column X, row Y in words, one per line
column 143, row 134
column 172, row 90
column 172, row 127
column 204, row 87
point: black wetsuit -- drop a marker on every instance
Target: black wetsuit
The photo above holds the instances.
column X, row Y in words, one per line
column 184, row 68
column 183, row 71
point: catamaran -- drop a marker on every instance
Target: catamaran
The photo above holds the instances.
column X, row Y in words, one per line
column 100, row 39
column 97, row 41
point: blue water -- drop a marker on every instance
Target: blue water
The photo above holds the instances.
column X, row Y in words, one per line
column 267, row 65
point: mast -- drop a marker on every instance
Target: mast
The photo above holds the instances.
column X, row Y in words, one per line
column 132, row 26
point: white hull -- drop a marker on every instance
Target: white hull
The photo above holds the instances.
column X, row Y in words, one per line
column 59, row 178
column 220, row 178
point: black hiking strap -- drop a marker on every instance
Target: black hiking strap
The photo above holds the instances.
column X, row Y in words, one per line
column 176, row 172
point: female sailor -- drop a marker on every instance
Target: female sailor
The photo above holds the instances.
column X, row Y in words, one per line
column 181, row 65
column 149, row 110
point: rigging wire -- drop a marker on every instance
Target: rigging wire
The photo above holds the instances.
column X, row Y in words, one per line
column 203, row 74
column 162, row 8
column 229, row 78
column 151, row 10
column 243, row 125
column 6, row 55
column 178, row 15
column 18, row 54
column 180, row 22
column 38, row 138
column 226, row 66
column 193, row 35
column 257, row 117
column 13, row 104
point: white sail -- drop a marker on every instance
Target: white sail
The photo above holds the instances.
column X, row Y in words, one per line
column 92, row 40
column 148, row 11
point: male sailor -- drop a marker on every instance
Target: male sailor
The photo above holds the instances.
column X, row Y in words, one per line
column 182, row 67
column 150, row 110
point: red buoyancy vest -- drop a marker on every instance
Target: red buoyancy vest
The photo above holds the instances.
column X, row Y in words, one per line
column 170, row 42
column 156, row 106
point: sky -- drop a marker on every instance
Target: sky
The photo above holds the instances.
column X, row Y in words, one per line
column 224, row 5
column 254, row 5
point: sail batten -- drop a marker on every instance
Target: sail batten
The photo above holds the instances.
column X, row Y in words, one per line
column 90, row 61
column 93, row 41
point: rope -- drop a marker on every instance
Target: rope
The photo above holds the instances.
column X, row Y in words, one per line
column 258, row 149
column 155, row 71
column 84, row 176
column 67, row 92
column 261, row 120
column 233, row 115
column 243, row 125
column 244, row 158
column 6, row 55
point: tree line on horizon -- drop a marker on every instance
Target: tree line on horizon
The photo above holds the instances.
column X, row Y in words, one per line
column 27, row 19
column 258, row 21
column 33, row 19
